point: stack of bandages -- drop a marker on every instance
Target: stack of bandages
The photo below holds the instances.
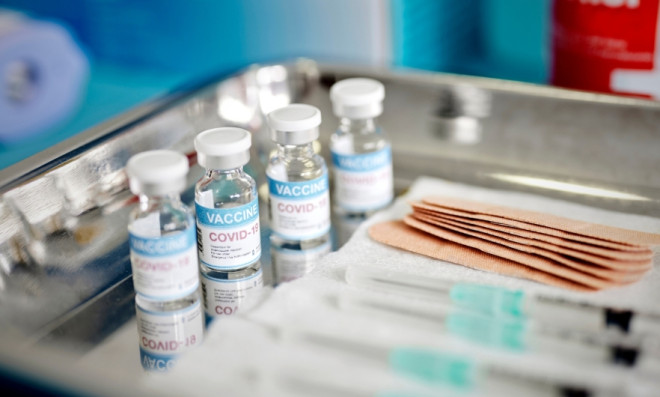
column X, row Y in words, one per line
column 546, row 248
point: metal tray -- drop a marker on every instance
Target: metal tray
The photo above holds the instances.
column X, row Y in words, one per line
column 64, row 269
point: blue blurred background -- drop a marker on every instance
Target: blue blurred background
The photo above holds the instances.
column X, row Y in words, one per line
column 110, row 55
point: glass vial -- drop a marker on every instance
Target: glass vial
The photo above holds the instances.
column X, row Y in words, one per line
column 361, row 154
column 228, row 228
column 297, row 181
column 163, row 254
column 163, row 336
column 163, row 245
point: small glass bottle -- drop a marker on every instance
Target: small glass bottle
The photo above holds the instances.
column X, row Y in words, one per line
column 297, row 181
column 163, row 254
column 164, row 336
column 361, row 154
column 227, row 212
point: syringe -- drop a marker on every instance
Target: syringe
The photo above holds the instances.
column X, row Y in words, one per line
column 438, row 367
column 512, row 334
column 502, row 302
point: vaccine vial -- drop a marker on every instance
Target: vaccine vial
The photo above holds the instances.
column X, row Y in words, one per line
column 228, row 228
column 164, row 336
column 297, row 181
column 361, row 154
column 163, row 244
column 163, row 253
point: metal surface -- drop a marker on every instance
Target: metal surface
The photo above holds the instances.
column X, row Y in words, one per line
column 63, row 213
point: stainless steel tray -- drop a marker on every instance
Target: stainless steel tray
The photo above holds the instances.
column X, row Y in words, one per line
column 64, row 269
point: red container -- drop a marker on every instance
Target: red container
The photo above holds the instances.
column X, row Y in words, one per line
column 607, row 46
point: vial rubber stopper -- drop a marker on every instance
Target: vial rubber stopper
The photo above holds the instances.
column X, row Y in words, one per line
column 294, row 124
column 157, row 172
column 357, row 98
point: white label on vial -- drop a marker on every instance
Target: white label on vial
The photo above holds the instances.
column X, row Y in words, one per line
column 292, row 264
column 228, row 238
column 363, row 181
column 223, row 297
column 165, row 268
column 165, row 335
column 299, row 210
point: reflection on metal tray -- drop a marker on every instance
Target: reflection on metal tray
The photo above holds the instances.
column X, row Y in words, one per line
column 63, row 213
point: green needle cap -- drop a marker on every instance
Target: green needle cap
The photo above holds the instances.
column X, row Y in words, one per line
column 486, row 299
column 508, row 334
column 433, row 367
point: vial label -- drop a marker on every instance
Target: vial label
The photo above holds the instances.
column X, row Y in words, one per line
column 292, row 264
column 165, row 268
column 224, row 297
column 363, row 181
column 299, row 210
column 165, row 335
column 228, row 238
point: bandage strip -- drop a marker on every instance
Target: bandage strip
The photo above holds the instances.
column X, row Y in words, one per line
column 575, row 230
column 589, row 255
column 600, row 267
column 542, row 240
column 399, row 235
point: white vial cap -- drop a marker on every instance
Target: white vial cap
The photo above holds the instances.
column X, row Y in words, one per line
column 157, row 172
column 294, row 124
column 357, row 98
column 223, row 148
